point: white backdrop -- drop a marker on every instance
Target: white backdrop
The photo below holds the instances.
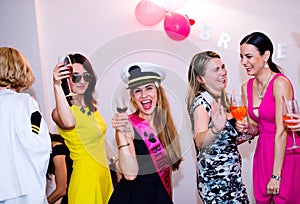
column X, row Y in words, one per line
column 108, row 33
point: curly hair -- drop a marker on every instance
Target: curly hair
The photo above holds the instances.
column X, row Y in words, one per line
column 15, row 71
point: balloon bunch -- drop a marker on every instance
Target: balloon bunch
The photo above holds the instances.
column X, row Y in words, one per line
column 176, row 26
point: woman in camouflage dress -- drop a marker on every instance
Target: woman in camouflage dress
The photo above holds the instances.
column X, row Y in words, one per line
column 219, row 177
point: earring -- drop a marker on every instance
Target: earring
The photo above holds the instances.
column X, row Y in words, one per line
column 267, row 65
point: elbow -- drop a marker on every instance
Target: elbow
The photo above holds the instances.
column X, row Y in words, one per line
column 56, row 194
column 68, row 126
column 64, row 123
column 199, row 145
column 130, row 177
column 61, row 191
column 198, row 142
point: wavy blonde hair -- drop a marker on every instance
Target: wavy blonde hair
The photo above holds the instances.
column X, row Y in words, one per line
column 198, row 67
column 15, row 71
column 165, row 126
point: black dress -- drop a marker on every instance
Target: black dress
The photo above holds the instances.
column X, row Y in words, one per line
column 219, row 164
column 147, row 187
column 61, row 149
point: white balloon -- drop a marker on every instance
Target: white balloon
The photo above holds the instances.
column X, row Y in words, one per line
column 175, row 4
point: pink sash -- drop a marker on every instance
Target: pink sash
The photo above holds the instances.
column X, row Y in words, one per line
column 156, row 150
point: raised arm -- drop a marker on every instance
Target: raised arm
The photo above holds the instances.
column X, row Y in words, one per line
column 203, row 134
column 62, row 115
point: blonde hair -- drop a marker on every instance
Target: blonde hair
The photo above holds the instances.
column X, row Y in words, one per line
column 164, row 124
column 15, row 71
column 198, row 68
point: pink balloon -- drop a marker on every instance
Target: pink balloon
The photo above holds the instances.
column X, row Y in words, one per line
column 148, row 13
column 177, row 26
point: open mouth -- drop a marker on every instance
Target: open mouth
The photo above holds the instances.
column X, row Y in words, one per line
column 248, row 68
column 147, row 104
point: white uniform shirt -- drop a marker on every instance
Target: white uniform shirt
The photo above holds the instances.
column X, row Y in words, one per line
column 25, row 148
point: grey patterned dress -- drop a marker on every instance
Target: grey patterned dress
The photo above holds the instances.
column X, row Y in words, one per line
column 219, row 177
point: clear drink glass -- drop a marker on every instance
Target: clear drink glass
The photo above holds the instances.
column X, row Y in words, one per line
column 122, row 107
column 289, row 107
column 239, row 112
column 65, row 83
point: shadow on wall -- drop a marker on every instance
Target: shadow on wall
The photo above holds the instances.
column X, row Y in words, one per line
column 296, row 36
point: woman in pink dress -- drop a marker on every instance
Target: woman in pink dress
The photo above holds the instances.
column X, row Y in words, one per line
column 276, row 170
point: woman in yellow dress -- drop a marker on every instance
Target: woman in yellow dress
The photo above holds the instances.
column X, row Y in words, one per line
column 83, row 129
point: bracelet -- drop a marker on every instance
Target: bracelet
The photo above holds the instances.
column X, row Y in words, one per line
column 216, row 133
column 278, row 178
column 121, row 146
column 252, row 138
column 251, row 130
column 114, row 159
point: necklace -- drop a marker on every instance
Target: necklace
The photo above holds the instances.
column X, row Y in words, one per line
column 82, row 108
column 260, row 93
column 83, row 111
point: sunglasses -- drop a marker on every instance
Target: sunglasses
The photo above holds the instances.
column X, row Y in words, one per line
column 76, row 77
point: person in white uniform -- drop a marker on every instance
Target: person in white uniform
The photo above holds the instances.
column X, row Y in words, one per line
column 25, row 144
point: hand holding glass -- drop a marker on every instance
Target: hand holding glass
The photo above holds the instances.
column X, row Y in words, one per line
column 289, row 107
column 65, row 83
column 239, row 112
column 121, row 107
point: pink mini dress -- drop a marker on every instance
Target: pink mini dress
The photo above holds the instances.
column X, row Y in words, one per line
column 264, row 153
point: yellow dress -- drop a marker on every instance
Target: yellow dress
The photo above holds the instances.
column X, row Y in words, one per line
column 90, row 181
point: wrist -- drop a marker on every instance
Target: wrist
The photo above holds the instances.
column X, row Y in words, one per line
column 114, row 159
column 57, row 86
column 251, row 138
column 124, row 145
column 252, row 130
column 215, row 132
column 278, row 178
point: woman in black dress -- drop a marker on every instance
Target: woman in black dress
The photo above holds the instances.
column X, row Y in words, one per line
column 147, row 140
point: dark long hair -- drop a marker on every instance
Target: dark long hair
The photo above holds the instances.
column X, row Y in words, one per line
column 263, row 44
column 89, row 98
